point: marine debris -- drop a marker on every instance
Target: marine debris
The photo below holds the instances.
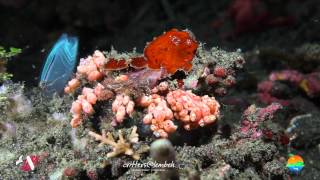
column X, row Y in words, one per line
column 59, row 64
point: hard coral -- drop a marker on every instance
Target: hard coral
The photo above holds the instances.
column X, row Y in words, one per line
column 121, row 146
column 173, row 50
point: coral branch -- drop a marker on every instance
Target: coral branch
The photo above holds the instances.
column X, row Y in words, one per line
column 121, row 146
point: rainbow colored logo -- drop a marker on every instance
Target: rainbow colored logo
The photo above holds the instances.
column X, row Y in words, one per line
column 295, row 163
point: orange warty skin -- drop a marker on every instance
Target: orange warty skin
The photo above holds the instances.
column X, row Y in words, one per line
column 173, row 50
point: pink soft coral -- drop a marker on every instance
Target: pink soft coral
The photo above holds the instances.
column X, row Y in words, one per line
column 90, row 68
column 253, row 117
column 84, row 103
column 159, row 115
column 122, row 106
column 193, row 110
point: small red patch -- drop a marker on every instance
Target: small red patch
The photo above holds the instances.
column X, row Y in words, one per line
column 220, row 71
column 138, row 62
column 70, row 172
column 114, row 64
column 25, row 165
column 268, row 134
column 92, row 175
column 180, row 83
column 284, row 139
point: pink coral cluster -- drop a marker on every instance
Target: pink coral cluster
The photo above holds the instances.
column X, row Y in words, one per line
column 309, row 83
column 253, row 117
column 93, row 70
column 84, row 103
column 193, row 110
column 292, row 76
column 90, row 68
column 159, row 115
column 254, row 125
column 73, row 84
column 265, row 89
column 122, row 106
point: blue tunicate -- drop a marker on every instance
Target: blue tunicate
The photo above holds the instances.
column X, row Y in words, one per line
column 59, row 64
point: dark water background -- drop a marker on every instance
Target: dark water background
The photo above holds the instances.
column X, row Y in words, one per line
column 34, row 26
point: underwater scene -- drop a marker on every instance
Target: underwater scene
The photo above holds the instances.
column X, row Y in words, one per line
column 160, row 90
